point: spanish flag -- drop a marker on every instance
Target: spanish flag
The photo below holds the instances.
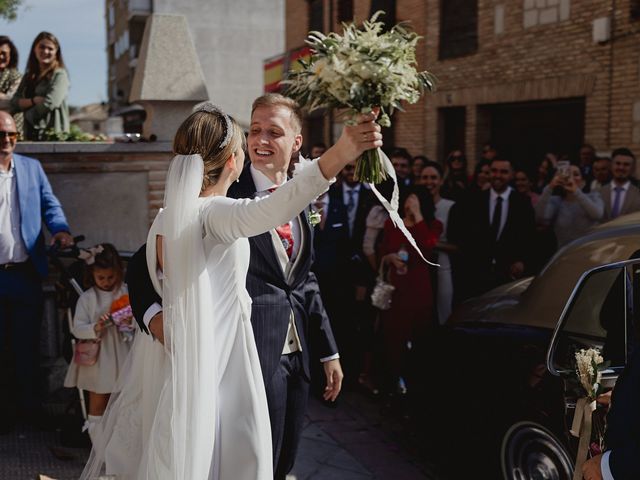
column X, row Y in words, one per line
column 274, row 70
column 303, row 54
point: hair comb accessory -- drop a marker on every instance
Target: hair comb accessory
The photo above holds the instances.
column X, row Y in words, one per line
column 89, row 254
column 211, row 108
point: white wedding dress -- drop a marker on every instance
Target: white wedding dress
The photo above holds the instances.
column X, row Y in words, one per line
column 196, row 409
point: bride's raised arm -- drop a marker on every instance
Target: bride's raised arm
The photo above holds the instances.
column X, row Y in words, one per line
column 228, row 219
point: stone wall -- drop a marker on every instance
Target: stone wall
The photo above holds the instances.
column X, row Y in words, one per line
column 109, row 192
column 519, row 59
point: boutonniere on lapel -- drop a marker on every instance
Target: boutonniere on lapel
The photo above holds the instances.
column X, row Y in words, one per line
column 314, row 217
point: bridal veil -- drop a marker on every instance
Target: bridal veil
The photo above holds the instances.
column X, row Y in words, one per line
column 161, row 425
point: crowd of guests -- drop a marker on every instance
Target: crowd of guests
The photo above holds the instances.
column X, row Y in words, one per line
column 485, row 227
column 37, row 98
column 496, row 225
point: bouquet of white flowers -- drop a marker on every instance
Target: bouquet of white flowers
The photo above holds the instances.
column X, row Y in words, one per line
column 589, row 364
column 358, row 70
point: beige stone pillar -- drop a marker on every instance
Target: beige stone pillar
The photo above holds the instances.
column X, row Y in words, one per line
column 168, row 80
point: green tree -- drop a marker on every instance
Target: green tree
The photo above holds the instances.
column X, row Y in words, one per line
column 9, row 9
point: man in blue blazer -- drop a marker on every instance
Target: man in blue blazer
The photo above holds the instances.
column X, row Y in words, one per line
column 26, row 201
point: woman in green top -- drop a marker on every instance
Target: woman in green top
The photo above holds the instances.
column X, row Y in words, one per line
column 9, row 76
column 42, row 94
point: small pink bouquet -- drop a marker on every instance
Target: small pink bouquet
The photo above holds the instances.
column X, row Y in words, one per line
column 122, row 315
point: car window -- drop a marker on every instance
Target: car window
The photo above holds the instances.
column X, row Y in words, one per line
column 598, row 317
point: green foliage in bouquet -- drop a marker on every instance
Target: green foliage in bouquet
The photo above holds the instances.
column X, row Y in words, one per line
column 360, row 69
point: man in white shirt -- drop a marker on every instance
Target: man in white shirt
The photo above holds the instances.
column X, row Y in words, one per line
column 26, row 202
column 343, row 272
column 621, row 196
column 493, row 229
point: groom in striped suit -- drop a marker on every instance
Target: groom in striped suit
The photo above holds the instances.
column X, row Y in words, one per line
column 287, row 312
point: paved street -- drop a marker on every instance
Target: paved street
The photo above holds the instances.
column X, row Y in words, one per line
column 351, row 442
column 354, row 442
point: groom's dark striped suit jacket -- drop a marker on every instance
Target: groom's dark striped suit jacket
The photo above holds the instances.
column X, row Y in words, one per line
column 274, row 296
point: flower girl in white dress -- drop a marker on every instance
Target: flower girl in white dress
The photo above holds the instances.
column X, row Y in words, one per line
column 195, row 408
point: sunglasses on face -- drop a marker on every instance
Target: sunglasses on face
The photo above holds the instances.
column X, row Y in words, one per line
column 11, row 135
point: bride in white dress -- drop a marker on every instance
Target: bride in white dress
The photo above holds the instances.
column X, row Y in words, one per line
column 195, row 408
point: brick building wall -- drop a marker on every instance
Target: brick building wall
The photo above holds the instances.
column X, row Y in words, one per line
column 539, row 51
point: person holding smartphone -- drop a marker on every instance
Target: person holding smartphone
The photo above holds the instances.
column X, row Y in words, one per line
column 566, row 208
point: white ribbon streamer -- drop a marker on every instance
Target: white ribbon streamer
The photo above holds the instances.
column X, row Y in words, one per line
column 392, row 207
column 581, row 427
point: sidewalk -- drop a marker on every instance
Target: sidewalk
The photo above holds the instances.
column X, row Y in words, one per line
column 26, row 452
column 344, row 443
column 348, row 443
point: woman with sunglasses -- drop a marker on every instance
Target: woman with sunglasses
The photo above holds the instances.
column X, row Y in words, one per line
column 42, row 94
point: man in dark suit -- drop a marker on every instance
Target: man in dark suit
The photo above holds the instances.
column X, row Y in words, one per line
column 622, row 437
column 620, row 196
column 493, row 230
column 343, row 272
column 287, row 310
column 401, row 161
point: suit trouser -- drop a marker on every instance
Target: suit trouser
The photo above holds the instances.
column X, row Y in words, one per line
column 21, row 316
column 287, row 396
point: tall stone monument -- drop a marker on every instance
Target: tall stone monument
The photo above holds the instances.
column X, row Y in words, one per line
column 168, row 80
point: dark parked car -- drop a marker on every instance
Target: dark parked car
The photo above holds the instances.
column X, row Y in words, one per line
column 495, row 386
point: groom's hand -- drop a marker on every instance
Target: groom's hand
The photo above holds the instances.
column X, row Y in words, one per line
column 333, row 372
column 156, row 327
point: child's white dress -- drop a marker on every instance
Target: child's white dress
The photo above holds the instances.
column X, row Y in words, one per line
column 101, row 377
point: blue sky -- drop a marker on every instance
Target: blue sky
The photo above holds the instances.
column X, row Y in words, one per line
column 80, row 26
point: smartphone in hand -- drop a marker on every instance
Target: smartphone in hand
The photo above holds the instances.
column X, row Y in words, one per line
column 564, row 169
